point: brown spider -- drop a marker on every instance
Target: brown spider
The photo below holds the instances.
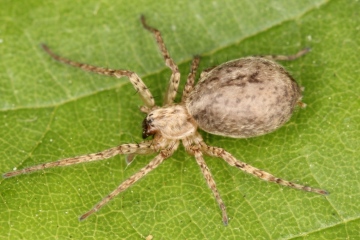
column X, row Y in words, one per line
column 242, row 98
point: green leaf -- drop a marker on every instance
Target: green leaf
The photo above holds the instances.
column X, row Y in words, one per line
column 50, row 111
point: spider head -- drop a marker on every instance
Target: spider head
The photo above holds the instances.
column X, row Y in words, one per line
column 170, row 122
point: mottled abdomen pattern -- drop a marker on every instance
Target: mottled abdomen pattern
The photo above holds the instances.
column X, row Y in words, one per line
column 244, row 98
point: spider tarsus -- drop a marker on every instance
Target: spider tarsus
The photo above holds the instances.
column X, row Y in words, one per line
column 7, row 175
column 225, row 219
column 320, row 191
column 324, row 192
column 313, row 190
column 86, row 215
column 307, row 49
column 12, row 174
column 143, row 22
column 45, row 47
column 302, row 52
column 51, row 53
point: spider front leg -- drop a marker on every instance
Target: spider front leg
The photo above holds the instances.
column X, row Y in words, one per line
column 165, row 153
column 175, row 76
column 230, row 159
column 141, row 148
column 135, row 80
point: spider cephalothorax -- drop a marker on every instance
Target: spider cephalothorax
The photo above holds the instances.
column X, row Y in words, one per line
column 171, row 122
column 246, row 97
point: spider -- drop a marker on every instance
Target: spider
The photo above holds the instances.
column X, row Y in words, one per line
column 246, row 97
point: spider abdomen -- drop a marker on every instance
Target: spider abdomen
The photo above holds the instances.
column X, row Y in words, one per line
column 244, row 98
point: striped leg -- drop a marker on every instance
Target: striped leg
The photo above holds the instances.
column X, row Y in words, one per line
column 135, row 80
column 175, row 76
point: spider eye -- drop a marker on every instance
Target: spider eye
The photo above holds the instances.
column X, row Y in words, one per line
column 144, row 127
column 147, row 131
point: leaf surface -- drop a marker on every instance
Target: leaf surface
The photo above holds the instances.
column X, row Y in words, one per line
column 50, row 111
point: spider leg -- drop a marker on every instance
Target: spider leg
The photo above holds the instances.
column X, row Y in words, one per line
column 135, row 80
column 211, row 183
column 141, row 148
column 175, row 76
column 191, row 78
column 221, row 153
column 165, row 153
column 301, row 53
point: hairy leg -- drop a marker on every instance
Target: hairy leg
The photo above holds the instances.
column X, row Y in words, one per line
column 135, row 80
column 190, row 82
column 175, row 76
column 301, row 53
column 165, row 153
column 211, row 183
column 221, row 153
column 141, row 148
